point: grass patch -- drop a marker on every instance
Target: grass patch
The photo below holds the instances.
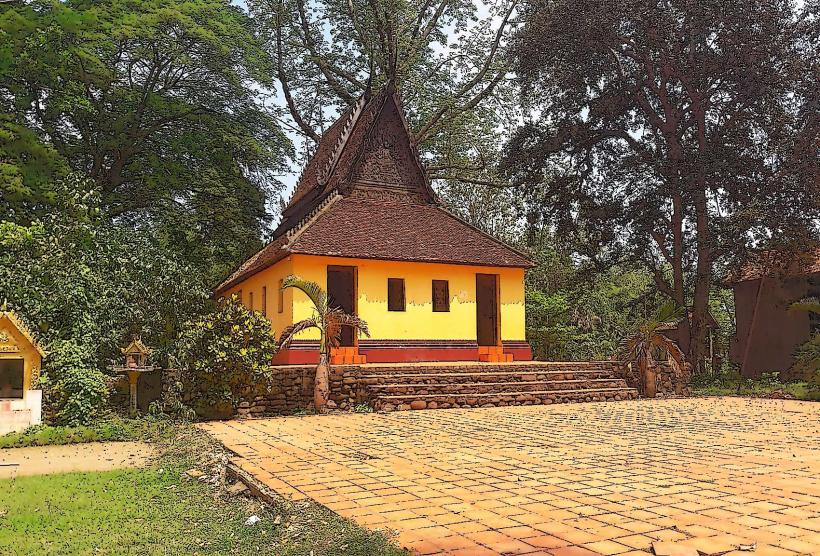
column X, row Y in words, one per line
column 114, row 429
column 159, row 511
column 768, row 385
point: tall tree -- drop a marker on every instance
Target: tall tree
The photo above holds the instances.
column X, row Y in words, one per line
column 689, row 129
column 93, row 284
column 448, row 58
column 157, row 101
column 28, row 169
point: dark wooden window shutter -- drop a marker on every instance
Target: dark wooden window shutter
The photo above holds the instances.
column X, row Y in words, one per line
column 441, row 296
column 395, row 294
column 265, row 300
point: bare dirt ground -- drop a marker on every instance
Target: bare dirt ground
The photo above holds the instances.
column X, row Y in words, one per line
column 94, row 456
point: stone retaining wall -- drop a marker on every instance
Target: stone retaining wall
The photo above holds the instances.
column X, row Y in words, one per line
column 667, row 382
column 292, row 386
column 291, row 391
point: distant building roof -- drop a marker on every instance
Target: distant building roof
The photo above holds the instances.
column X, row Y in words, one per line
column 365, row 194
column 777, row 264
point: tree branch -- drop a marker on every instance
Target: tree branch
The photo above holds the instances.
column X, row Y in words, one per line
column 318, row 59
column 467, row 87
column 283, row 79
column 422, row 39
column 476, row 181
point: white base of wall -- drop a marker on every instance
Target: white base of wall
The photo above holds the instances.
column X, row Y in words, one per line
column 17, row 415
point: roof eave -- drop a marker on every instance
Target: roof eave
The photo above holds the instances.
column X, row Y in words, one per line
column 410, row 259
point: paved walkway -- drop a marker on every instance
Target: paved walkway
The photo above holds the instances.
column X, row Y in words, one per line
column 577, row 479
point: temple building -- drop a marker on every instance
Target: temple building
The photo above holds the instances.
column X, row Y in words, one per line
column 20, row 359
column 364, row 222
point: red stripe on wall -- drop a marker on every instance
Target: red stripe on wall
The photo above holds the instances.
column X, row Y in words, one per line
column 398, row 351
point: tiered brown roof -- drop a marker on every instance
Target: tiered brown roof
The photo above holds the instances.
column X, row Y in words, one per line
column 364, row 194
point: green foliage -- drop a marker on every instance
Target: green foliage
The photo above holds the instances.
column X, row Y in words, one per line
column 75, row 277
column 448, row 59
column 548, row 325
column 631, row 151
column 76, row 390
column 578, row 313
column 810, row 304
column 729, row 382
column 158, row 102
column 82, row 393
column 647, row 339
column 87, row 287
column 807, row 363
column 225, row 354
column 27, row 169
column 326, row 319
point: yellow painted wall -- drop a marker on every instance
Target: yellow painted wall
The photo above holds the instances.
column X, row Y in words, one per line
column 418, row 322
column 16, row 347
column 269, row 278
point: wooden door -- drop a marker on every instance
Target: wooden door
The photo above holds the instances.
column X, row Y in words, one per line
column 341, row 292
column 488, row 319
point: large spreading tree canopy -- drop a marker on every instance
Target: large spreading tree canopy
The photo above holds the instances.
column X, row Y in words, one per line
column 155, row 100
column 680, row 131
column 448, row 58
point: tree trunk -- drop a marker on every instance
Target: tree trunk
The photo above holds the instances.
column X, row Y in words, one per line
column 677, row 250
column 647, row 377
column 703, row 243
column 321, row 386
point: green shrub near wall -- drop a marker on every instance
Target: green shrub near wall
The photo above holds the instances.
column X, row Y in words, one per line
column 225, row 355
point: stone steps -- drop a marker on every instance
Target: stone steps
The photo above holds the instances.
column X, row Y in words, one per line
column 484, row 387
column 497, row 399
column 481, row 376
column 477, row 367
column 476, row 384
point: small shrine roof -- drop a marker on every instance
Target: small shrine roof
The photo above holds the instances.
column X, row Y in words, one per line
column 21, row 327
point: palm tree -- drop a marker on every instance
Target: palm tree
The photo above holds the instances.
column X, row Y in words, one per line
column 648, row 339
column 329, row 321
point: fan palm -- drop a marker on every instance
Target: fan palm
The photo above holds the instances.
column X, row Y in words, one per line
column 329, row 322
column 649, row 339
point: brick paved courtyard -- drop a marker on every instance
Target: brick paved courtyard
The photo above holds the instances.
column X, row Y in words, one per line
column 577, row 479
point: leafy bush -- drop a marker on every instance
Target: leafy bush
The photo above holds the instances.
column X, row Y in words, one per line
column 807, row 366
column 729, row 382
column 75, row 276
column 807, row 361
column 75, row 389
column 84, row 395
column 225, row 355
